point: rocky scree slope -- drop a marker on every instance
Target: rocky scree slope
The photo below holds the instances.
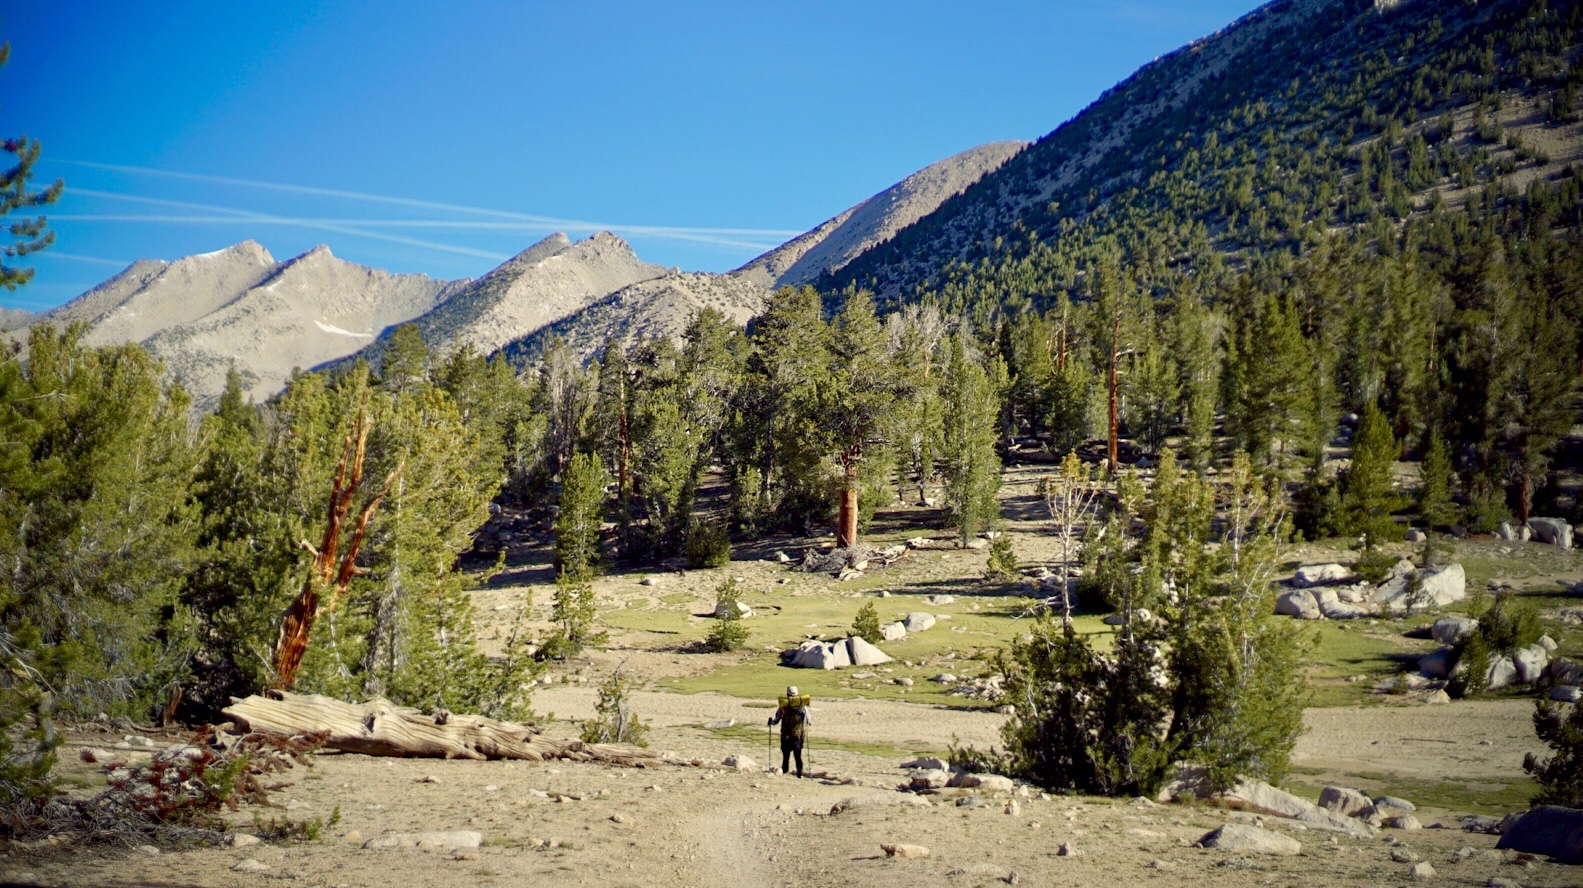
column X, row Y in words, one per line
column 657, row 308
column 548, row 281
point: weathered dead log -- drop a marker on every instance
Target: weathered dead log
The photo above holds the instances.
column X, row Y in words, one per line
column 379, row 727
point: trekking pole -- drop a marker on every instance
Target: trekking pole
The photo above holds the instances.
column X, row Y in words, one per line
column 769, row 754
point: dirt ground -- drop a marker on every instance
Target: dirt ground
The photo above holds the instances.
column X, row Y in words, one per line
column 584, row 824
column 705, row 825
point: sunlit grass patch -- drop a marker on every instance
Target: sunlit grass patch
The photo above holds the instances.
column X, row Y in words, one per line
column 1478, row 797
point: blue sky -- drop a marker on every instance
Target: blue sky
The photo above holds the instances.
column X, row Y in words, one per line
column 443, row 138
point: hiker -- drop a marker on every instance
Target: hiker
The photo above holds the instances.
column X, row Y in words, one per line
column 792, row 715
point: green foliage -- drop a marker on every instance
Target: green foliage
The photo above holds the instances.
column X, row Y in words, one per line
column 614, row 719
column 29, row 233
column 96, row 527
column 708, row 545
column 284, row 829
column 1560, row 776
column 1002, row 563
column 1217, row 682
column 1435, row 502
column 28, row 739
column 971, row 466
column 1083, row 722
column 1505, row 626
column 866, row 624
column 1367, row 495
column 405, row 628
column 574, row 614
column 728, row 632
column 578, row 527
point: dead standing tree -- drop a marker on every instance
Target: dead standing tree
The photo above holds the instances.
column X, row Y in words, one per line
column 1069, row 496
column 332, row 570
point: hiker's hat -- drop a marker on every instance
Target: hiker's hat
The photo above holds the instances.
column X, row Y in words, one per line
column 791, row 690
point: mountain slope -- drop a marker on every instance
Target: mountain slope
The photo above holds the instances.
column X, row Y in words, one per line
column 831, row 245
column 1304, row 116
column 661, row 307
column 312, row 309
column 151, row 295
column 238, row 307
column 541, row 285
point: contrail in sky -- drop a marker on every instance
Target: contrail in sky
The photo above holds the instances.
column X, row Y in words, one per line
column 664, row 231
column 77, row 257
column 234, row 215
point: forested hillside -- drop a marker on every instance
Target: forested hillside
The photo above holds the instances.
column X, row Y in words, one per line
column 1326, row 206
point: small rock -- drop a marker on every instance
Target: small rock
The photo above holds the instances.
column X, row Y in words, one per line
column 241, row 840
column 944, row 678
column 428, row 778
column 1386, row 801
column 491, row 788
column 1404, row 855
column 249, row 865
column 740, row 763
column 911, row 851
column 1498, row 882
column 651, row 581
column 1013, row 808
column 1402, row 821
column 1422, row 870
column 1068, row 850
column 723, row 723
column 1437, row 697
column 620, row 818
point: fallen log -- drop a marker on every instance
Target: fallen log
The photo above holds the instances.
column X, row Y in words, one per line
column 379, row 727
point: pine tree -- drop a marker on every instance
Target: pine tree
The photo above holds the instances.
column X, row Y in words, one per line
column 1435, row 502
column 727, row 633
column 971, row 466
column 29, row 233
column 1367, row 495
column 574, row 613
column 866, row 624
column 578, row 527
column 867, row 387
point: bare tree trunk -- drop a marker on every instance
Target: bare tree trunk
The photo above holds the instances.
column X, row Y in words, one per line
column 846, row 528
column 1113, row 450
column 296, row 625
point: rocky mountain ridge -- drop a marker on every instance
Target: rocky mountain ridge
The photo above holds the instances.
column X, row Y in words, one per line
column 240, row 307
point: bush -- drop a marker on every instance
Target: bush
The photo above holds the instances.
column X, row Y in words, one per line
column 728, row 633
column 1560, row 777
column 1002, row 564
column 708, row 545
column 1501, row 628
column 574, row 614
column 614, row 720
column 1374, row 565
column 866, row 626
